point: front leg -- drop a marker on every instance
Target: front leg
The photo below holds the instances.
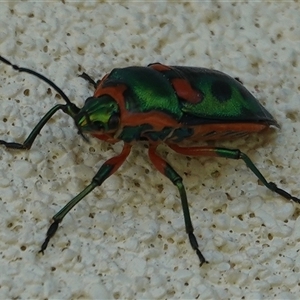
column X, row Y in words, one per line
column 36, row 130
column 106, row 170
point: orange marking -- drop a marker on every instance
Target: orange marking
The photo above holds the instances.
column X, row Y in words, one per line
column 117, row 161
column 195, row 151
column 160, row 68
column 100, row 83
column 157, row 161
column 105, row 137
column 185, row 91
column 158, row 120
column 202, row 132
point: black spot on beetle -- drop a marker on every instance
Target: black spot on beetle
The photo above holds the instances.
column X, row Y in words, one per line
column 221, row 90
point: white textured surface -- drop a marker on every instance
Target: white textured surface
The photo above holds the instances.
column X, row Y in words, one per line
column 126, row 239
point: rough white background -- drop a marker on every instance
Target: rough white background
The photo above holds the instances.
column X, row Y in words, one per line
column 127, row 239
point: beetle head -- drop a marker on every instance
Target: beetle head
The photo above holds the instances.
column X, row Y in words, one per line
column 98, row 115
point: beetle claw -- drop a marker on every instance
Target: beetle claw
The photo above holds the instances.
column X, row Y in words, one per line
column 51, row 231
column 283, row 193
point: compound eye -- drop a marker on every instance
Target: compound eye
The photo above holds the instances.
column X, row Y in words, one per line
column 114, row 121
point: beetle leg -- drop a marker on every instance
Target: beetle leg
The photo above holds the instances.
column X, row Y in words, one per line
column 233, row 154
column 106, row 170
column 163, row 167
column 88, row 78
column 34, row 133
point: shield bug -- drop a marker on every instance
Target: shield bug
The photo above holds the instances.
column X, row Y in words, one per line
column 160, row 104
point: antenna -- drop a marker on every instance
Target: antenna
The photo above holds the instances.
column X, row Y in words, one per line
column 52, row 84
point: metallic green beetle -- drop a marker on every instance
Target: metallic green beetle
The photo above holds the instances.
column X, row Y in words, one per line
column 161, row 104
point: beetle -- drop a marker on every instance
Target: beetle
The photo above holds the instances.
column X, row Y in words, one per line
column 160, row 104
